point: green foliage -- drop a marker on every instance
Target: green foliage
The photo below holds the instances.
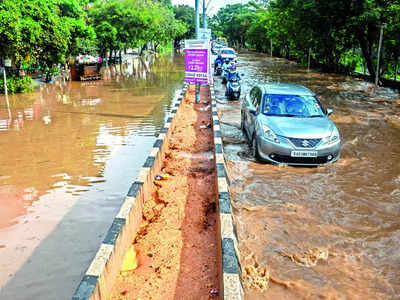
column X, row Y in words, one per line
column 82, row 35
column 233, row 21
column 341, row 34
column 42, row 32
column 133, row 23
column 164, row 25
column 16, row 84
column 186, row 14
column 47, row 32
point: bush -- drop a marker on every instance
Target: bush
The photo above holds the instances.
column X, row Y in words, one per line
column 16, row 84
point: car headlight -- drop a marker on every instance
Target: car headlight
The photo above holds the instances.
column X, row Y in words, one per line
column 269, row 134
column 333, row 138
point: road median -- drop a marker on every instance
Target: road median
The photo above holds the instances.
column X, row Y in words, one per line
column 175, row 228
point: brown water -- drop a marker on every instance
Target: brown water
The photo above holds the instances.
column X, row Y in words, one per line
column 331, row 232
column 68, row 155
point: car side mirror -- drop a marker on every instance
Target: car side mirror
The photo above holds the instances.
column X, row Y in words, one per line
column 329, row 111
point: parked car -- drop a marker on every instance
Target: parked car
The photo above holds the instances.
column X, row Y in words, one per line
column 228, row 53
column 216, row 48
column 285, row 123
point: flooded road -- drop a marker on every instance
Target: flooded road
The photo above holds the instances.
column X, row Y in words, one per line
column 331, row 232
column 68, row 155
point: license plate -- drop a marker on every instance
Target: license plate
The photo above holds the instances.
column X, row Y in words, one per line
column 303, row 154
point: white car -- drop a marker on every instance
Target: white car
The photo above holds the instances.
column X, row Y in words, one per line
column 228, row 53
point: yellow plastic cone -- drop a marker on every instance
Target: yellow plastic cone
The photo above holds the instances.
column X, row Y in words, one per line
column 130, row 260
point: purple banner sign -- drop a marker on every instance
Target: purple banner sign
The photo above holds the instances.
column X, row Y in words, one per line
column 196, row 62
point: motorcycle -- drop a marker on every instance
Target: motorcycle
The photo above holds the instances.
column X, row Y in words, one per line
column 225, row 74
column 233, row 88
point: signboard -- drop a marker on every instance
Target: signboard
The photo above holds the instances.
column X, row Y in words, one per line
column 7, row 62
column 197, row 61
column 205, row 33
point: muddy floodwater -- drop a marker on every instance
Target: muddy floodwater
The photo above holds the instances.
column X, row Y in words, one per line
column 68, row 155
column 331, row 232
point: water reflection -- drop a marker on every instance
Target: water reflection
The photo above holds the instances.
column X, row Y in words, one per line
column 69, row 152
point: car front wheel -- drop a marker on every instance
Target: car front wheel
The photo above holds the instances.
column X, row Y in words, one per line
column 254, row 149
column 242, row 125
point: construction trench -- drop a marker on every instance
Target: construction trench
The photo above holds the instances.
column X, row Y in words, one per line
column 173, row 237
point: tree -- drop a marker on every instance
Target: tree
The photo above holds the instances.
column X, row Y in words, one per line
column 165, row 27
column 341, row 33
column 33, row 31
column 82, row 35
column 185, row 14
column 233, row 21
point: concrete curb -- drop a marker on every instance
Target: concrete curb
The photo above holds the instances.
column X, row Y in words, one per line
column 231, row 284
column 99, row 278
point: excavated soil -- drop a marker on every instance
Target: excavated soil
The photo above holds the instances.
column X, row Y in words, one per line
column 176, row 246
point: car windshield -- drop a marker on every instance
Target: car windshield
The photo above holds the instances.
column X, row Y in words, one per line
column 227, row 51
column 292, row 106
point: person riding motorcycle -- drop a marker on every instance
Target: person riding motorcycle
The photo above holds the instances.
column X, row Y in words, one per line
column 233, row 74
column 218, row 60
column 225, row 65
column 225, row 70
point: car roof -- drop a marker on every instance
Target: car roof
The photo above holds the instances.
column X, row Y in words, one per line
column 286, row 89
column 227, row 48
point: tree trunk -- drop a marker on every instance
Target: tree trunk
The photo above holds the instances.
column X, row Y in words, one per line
column 120, row 56
column 367, row 53
column 48, row 77
column 395, row 69
column 142, row 49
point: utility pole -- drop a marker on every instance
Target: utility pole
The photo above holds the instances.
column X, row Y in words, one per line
column 197, row 26
column 379, row 54
column 197, row 19
column 204, row 15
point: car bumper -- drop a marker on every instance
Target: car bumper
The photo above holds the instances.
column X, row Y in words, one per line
column 280, row 153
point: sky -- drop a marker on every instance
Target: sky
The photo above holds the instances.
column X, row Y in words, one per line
column 214, row 6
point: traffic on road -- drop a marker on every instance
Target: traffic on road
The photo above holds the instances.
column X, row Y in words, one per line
column 329, row 230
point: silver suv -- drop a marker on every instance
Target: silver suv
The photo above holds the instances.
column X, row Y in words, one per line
column 285, row 123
